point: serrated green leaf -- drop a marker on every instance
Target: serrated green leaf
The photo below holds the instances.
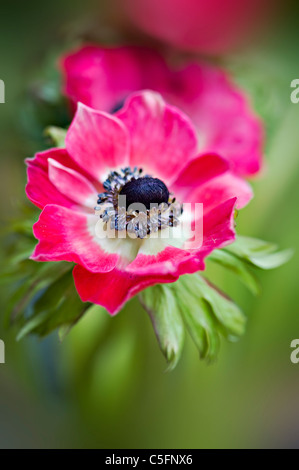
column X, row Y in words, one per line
column 226, row 311
column 92, row 309
column 199, row 321
column 239, row 267
column 25, row 283
column 273, row 260
column 161, row 305
column 259, row 253
column 248, row 246
column 58, row 305
column 206, row 313
column 230, row 320
column 32, row 324
column 22, row 255
column 92, row 326
column 39, row 297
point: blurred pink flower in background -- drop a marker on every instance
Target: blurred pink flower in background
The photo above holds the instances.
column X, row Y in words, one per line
column 103, row 77
column 206, row 26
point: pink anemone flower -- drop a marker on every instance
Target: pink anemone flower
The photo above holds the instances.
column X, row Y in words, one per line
column 150, row 152
column 102, row 78
column 206, row 26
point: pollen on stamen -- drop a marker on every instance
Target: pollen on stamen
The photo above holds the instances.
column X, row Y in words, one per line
column 137, row 203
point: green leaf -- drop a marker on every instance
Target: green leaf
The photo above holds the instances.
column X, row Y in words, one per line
column 39, row 297
column 247, row 246
column 199, row 320
column 58, row 305
column 25, row 284
column 239, row 267
column 161, row 305
column 230, row 319
column 57, row 135
column 258, row 253
column 206, row 313
column 273, row 260
column 87, row 332
column 225, row 310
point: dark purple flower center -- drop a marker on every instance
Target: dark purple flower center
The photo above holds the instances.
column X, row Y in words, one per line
column 146, row 191
column 119, row 105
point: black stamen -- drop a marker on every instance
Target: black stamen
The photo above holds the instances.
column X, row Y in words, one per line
column 145, row 191
column 117, row 106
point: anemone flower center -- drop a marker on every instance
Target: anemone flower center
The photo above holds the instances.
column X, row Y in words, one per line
column 159, row 210
column 147, row 191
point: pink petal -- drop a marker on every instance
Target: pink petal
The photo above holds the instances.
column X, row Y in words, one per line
column 72, row 184
column 163, row 139
column 218, row 231
column 102, row 78
column 113, row 289
column 226, row 124
column 220, row 189
column 208, row 27
column 166, row 262
column 196, row 173
column 39, row 189
column 218, row 227
column 97, row 142
column 222, row 115
column 65, row 235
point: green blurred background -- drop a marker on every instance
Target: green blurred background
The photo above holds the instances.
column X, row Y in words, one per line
column 104, row 386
